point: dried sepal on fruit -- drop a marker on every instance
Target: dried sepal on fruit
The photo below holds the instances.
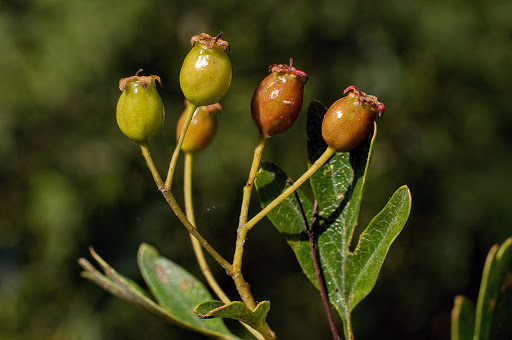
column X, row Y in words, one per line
column 349, row 121
column 140, row 111
column 202, row 128
column 277, row 100
column 206, row 72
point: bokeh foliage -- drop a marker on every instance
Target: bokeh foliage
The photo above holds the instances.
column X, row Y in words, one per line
column 70, row 179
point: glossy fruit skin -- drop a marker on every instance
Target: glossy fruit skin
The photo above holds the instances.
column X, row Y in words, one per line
column 350, row 120
column 201, row 130
column 206, row 72
column 140, row 111
column 277, row 100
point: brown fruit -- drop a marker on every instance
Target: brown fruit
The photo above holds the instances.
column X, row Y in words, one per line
column 349, row 121
column 202, row 128
column 277, row 100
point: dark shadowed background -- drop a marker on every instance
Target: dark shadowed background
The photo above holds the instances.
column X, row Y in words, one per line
column 69, row 178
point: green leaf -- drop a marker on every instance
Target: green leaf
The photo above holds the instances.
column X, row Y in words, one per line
column 286, row 217
column 494, row 306
column 128, row 290
column 338, row 187
column 178, row 292
column 120, row 286
column 363, row 266
column 463, row 319
column 236, row 310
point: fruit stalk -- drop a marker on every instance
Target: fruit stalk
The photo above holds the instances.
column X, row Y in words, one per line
column 247, row 191
column 172, row 166
column 198, row 250
column 318, row 163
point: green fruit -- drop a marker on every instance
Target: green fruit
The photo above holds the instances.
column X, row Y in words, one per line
column 140, row 112
column 201, row 130
column 277, row 100
column 349, row 121
column 205, row 75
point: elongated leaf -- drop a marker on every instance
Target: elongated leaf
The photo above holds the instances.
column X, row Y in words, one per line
column 126, row 289
column 494, row 306
column 363, row 266
column 338, row 187
column 236, row 310
column 178, row 292
column 463, row 319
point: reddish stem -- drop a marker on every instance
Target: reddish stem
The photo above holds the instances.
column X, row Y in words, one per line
column 311, row 235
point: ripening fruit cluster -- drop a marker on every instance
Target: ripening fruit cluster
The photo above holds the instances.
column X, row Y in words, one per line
column 205, row 78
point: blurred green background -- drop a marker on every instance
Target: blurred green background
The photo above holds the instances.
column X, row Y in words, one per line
column 69, row 178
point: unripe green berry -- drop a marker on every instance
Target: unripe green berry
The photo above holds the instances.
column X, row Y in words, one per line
column 349, row 121
column 205, row 75
column 140, row 112
column 277, row 100
column 202, row 128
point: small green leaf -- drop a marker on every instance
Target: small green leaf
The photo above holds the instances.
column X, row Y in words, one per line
column 494, row 306
column 178, row 292
column 463, row 319
column 236, row 310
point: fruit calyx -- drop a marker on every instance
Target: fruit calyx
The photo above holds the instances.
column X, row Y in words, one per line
column 288, row 68
column 210, row 42
column 367, row 99
column 144, row 81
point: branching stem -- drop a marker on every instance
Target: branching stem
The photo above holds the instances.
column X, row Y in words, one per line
column 198, row 250
column 318, row 163
column 171, row 201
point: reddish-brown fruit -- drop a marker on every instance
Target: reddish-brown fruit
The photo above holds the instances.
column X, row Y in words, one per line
column 202, row 128
column 349, row 121
column 277, row 101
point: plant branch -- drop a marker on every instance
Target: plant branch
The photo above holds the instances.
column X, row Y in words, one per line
column 244, row 210
column 198, row 250
column 311, row 235
column 318, row 163
column 321, row 283
column 151, row 165
column 242, row 286
column 171, row 201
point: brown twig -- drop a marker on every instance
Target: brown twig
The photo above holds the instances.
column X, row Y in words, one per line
column 311, row 235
